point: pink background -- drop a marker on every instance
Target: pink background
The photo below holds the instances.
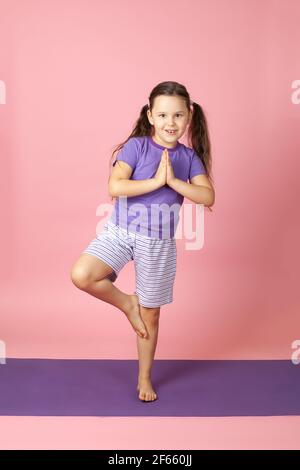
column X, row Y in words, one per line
column 77, row 74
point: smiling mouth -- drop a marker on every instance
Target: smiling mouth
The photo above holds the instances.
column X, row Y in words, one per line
column 171, row 132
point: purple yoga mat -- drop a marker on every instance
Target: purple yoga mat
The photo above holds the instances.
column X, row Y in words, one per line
column 67, row 387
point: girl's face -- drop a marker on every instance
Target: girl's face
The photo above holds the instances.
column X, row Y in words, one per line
column 169, row 113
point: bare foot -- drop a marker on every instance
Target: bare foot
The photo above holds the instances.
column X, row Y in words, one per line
column 133, row 314
column 145, row 389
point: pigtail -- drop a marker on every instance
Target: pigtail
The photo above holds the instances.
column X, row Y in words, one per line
column 199, row 140
column 198, row 136
column 141, row 127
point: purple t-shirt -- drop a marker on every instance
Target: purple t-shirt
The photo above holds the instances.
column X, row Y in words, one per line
column 154, row 214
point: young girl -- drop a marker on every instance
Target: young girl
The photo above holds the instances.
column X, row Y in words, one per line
column 152, row 170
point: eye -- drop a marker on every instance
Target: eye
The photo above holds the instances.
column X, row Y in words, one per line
column 164, row 114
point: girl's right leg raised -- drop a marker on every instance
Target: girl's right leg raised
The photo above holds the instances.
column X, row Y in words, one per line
column 89, row 274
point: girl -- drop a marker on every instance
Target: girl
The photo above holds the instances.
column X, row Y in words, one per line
column 152, row 170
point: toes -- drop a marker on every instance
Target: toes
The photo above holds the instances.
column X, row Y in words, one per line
column 146, row 396
column 142, row 333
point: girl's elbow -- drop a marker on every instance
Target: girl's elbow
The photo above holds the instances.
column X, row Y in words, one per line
column 112, row 190
column 211, row 201
column 208, row 202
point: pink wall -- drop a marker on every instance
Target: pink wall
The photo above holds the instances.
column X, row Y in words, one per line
column 76, row 75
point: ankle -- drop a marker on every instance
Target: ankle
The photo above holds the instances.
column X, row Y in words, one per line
column 127, row 304
column 144, row 376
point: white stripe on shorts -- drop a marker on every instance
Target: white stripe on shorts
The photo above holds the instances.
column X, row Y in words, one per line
column 154, row 260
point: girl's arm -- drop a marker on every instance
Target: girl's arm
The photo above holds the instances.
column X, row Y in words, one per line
column 199, row 190
column 120, row 184
column 125, row 187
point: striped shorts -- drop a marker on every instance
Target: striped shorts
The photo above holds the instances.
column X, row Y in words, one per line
column 154, row 261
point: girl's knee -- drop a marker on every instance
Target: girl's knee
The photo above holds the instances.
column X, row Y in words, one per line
column 88, row 269
column 150, row 312
column 80, row 277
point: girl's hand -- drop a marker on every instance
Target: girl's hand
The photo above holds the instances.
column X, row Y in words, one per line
column 170, row 172
column 161, row 173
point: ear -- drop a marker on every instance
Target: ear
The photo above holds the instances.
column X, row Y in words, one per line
column 149, row 117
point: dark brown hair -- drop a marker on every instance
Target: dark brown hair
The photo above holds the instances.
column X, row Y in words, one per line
column 198, row 135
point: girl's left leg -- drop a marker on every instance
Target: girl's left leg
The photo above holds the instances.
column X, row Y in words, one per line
column 146, row 351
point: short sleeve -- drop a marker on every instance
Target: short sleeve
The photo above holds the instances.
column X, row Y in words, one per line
column 197, row 167
column 128, row 153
